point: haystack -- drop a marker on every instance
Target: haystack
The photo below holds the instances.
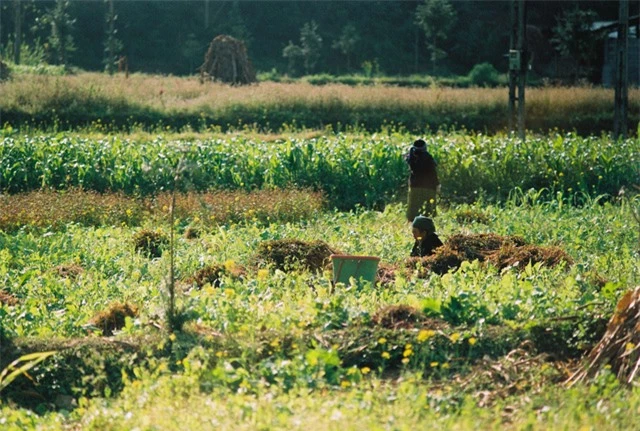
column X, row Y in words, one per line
column 5, row 72
column 620, row 346
column 227, row 61
column 114, row 318
column 286, row 254
column 501, row 251
column 214, row 274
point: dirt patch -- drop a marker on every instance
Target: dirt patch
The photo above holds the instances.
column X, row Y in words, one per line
column 7, row 298
column 287, row 254
column 405, row 317
column 113, row 319
column 213, row 275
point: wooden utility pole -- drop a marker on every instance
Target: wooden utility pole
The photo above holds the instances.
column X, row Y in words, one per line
column 517, row 67
column 17, row 33
column 622, row 73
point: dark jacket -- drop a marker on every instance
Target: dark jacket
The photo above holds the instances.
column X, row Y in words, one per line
column 427, row 246
column 423, row 168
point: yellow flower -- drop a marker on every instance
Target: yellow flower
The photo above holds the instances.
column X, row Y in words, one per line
column 405, row 361
column 275, row 343
column 434, row 364
column 472, row 341
column 425, row 334
column 382, row 340
column 454, row 337
column 445, row 365
column 263, row 274
column 172, row 337
column 351, row 371
column 229, row 265
column 629, row 346
column 407, row 353
column 229, row 292
column 365, row 370
column 345, row 384
column 386, row 355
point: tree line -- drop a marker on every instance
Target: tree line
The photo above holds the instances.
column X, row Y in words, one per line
column 435, row 37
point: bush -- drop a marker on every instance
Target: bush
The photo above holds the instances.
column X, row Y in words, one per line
column 484, row 75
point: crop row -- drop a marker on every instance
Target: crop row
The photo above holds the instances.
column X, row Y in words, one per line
column 351, row 170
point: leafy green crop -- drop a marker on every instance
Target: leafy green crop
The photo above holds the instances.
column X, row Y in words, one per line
column 351, row 170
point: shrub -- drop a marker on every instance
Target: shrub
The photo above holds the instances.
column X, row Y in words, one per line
column 484, row 75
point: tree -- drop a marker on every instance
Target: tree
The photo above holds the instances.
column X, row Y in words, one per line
column 308, row 50
column 347, row 42
column 435, row 17
column 293, row 53
column 574, row 38
column 112, row 45
column 61, row 24
column 311, row 43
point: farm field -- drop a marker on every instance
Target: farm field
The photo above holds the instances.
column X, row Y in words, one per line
column 184, row 103
column 222, row 313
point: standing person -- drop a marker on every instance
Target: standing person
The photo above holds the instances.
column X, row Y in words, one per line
column 423, row 181
column 424, row 232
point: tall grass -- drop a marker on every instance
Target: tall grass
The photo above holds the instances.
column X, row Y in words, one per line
column 351, row 170
column 184, row 102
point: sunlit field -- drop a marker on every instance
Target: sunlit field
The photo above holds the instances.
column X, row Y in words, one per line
column 184, row 280
column 185, row 102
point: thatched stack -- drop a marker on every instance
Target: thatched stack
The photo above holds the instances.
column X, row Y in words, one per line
column 4, row 71
column 285, row 254
column 500, row 251
column 620, row 346
column 227, row 61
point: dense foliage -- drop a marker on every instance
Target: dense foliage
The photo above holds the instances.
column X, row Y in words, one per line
column 172, row 37
column 351, row 170
column 288, row 337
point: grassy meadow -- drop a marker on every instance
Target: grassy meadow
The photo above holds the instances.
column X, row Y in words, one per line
column 154, row 275
column 181, row 103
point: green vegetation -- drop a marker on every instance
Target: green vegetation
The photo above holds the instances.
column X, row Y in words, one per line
column 180, row 104
column 283, row 349
column 351, row 170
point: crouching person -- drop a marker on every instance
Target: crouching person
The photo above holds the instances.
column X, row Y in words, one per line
column 424, row 232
